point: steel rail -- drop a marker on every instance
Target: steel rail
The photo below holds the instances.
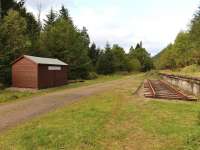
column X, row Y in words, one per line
column 174, row 89
column 151, row 88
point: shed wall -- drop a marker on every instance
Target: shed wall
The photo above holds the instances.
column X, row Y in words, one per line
column 51, row 78
column 24, row 74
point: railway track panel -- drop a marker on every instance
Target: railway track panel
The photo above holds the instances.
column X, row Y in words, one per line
column 162, row 90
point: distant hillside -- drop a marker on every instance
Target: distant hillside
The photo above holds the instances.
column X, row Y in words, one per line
column 184, row 51
column 157, row 56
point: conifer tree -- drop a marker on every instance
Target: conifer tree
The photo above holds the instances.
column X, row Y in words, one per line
column 106, row 62
column 51, row 19
column 64, row 13
column 85, row 36
column 94, row 53
column 0, row 11
column 13, row 42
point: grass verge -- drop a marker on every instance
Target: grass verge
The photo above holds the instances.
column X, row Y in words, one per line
column 113, row 120
column 191, row 71
column 10, row 96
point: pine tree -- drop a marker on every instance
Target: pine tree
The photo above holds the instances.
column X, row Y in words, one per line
column 65, row 42
column 94, row 53
column 6, row 5
column 85, row 36
column 33, row 32
column 131, row 50
column 51, row 19
column 139, row 45
column 64, row 13
column 13, row 42
column 0, row 11
column 106, row 62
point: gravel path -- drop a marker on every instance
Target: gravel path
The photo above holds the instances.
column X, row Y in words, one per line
column 18, row 112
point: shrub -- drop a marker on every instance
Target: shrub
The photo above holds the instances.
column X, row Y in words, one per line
column 191, row 69
column 153, row 73
column 92, row 75
column 134, row 65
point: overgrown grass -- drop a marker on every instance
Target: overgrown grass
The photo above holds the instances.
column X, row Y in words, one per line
column 153, row 74
column 113, row 120
column 10, row 96
column 192, row 70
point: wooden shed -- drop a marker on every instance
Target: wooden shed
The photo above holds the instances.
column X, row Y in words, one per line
column 38, row 73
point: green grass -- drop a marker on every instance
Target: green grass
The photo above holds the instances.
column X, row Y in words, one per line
column 112, row 120
column 10, row 96
column 191, row 71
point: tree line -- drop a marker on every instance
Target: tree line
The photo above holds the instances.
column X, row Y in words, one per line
column 21, row 33
column 185, row 50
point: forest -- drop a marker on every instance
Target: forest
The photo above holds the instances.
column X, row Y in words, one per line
column 185, row 50
column 58, row 37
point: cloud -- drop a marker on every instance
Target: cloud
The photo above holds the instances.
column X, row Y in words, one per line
column 46, row 5
column 127, row 22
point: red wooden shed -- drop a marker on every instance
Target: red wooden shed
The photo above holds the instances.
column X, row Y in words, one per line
column 38, row 73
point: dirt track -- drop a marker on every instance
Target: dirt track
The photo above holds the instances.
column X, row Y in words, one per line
column 14, row 113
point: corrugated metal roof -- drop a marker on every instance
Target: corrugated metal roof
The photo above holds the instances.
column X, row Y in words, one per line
column 46, row 61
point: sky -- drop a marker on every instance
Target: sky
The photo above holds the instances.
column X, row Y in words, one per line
column 126, row 22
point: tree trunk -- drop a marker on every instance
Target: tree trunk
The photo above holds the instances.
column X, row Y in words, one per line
column 0, row 11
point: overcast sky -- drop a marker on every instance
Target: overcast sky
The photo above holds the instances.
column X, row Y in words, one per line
column 126, row 22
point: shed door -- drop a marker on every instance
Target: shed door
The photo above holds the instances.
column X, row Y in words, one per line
column 58, row 75
column 51, row 76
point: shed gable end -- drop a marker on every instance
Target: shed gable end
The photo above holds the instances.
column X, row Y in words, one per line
column 25, row 74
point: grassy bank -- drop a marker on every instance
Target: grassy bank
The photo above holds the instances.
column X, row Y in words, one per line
column 9, row 96
column 112, row 120
column 191, row 71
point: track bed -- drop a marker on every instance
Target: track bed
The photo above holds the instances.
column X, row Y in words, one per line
column 162, row 90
